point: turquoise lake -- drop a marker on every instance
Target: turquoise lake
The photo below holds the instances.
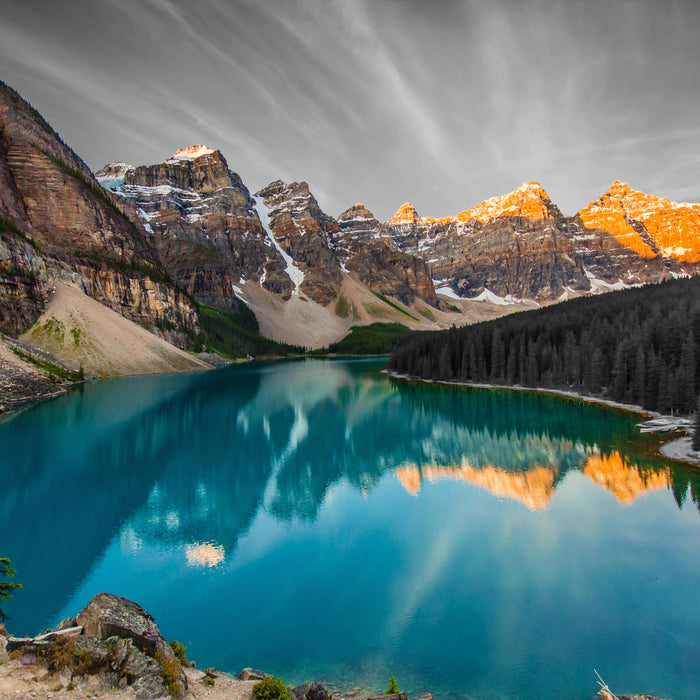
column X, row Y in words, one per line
column 321, row 520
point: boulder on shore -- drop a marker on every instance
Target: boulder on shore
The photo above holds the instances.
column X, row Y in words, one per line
column 114, row 644
column 251, row 674
column 310, row 691
column 108, row 615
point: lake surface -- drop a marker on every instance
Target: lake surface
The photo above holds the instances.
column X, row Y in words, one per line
column 318, row 519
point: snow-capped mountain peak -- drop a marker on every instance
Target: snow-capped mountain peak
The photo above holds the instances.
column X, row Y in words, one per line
column 190, row 153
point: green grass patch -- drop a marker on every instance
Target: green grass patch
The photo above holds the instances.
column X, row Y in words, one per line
column 427, row 313
column 342, row 307
column 52, row 327
column 271, row 689
column 237, row 334
column 56, row 372
column 375, row 339
column 393, row 306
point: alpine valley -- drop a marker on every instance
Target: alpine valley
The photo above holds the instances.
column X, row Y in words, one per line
column 163, row 245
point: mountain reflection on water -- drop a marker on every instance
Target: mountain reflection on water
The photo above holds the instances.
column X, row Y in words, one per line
column 181, row 467
column 305, row 430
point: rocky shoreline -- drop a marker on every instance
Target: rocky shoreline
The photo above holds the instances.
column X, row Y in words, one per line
column 114, row 648
column 22, row 382
column 29, row 375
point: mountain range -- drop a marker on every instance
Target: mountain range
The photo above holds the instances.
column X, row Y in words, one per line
column 157, row 242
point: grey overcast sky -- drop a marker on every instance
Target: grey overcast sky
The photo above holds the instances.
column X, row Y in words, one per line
column 443, row 103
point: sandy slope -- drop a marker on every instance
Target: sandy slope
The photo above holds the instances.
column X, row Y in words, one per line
column 301, row 321
column 80, row 331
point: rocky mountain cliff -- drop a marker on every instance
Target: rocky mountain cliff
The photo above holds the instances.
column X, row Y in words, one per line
column 201, row 220
column 364, row 246
column 271, row 250
column 519, row 245
column 301, row 233
column 213, row 237
column 58, row 222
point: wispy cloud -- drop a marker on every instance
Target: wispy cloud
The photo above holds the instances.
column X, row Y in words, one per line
column 363, row 41
column 442, row 103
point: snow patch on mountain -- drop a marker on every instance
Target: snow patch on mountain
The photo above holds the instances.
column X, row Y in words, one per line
column 111, row 183
column 488, row 295
column 293, row 272
column 599, row 286
column 190, row 153
column 447, row 291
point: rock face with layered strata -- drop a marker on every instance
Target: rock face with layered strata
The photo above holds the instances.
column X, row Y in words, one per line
column 304, row 232
column 213, row 236
column 364, row 246
column 520, row 245
column 516, row 245
column 57, row 221
column 202, row 221
column 653, row 229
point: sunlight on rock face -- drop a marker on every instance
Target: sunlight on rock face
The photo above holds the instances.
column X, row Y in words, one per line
column 534, row 488
column 624, row 481
column 667, row 228
column 205, row 554
column 530, row 201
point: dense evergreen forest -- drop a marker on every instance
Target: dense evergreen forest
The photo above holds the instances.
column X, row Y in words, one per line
column 375, row 339
column 237, row 334
column 639, row 346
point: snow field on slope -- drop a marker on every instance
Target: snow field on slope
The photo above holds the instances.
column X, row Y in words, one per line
column 293, row 272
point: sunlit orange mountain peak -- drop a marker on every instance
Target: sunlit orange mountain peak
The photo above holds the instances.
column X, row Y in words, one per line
column 534, row 488
column 647, row 224
column 191, row 152
column 406, row 214
column 624, row 481
column 530, row 200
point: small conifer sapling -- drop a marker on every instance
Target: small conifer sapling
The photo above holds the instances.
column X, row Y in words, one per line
column 393, row 688
column 7, row 588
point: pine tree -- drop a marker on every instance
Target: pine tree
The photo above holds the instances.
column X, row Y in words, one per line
column 511, row 363
column 595, row 372
column 619, row 374
column 464, row 370
column 696, row 432
column 445, row 369
column 7, row 588
column 393, row 688
column 640, row 373
column 497, row 356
